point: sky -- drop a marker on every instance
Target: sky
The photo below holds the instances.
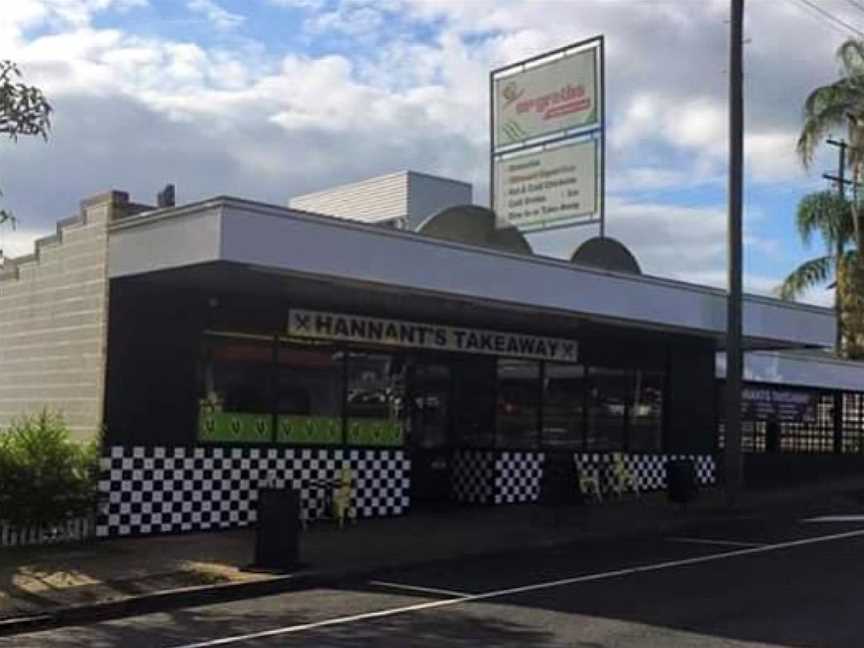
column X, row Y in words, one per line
column 267, row 99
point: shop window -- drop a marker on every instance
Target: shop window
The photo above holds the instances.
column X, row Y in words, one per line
column 375, row 399
column 645, row 429
column 810, row 434
column 309, row 395
column 609, row 394
column 563, row 405
column 236, row 399
column 853, row 422
column 518, row 408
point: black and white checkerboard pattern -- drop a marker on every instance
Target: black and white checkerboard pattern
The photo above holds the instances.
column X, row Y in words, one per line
column 169, row 490
column 706, row 470
column 649, row 469
column 517, row 476
column 472, row 476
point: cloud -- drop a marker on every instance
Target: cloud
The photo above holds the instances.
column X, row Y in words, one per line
column 135, row 110
column 364, row 21
column 308, row 5
column 17, row 242
column 217, row 15
column 685, row 243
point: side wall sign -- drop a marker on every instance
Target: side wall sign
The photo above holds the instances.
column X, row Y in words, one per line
column 781, row 405
column 357, row 328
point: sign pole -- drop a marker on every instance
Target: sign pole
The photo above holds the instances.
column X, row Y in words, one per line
column 734, row 360
column 602, row 54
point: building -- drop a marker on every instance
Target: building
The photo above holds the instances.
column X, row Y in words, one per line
column 227, row 344
column 403, row 199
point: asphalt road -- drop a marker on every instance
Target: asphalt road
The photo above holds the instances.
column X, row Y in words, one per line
column 742, row 583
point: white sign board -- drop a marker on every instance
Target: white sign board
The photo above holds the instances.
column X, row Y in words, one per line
column 547, row 187
column 366, row 330
column 553, row 97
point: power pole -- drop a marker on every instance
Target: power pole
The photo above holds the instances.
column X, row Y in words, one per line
column 841, row 182
column 734, row 359
column 840, row 178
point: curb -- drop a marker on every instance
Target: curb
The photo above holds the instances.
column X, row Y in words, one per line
column 167, row 600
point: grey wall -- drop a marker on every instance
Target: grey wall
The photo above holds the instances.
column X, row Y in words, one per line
column 368, row 200
column 307, row 245
column 806, row 369
column 406, row 194
column 53, row 321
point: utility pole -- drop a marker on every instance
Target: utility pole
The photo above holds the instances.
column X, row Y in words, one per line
column 734, row 361
column 840, row 178
column 841, row 182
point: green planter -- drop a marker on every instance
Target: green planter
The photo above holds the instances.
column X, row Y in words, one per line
column 234, row 427
column 375, row 432
column 310, row 430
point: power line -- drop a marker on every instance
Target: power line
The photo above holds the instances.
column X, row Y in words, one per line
column 856, row 4
column 835, row 22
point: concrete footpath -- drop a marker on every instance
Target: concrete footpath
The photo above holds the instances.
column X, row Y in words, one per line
column 51, row 586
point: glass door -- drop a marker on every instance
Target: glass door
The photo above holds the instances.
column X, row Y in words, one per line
column 429, row 440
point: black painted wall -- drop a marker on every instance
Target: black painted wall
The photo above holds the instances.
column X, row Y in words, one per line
column 153, row 343
column 691, row 417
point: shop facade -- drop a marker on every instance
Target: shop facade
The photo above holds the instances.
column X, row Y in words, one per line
column 426, row 414
column 441, row 373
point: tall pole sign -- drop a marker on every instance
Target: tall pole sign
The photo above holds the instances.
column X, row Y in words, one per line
column 734, row 361
column 547, row 145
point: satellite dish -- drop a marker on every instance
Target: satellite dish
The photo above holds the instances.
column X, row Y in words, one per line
column 606, row 253
column 474, row 225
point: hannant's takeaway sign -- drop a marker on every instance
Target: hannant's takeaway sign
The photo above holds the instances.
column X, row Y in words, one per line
column 356, row 328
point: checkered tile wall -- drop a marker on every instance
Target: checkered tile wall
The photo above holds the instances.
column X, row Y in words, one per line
column 168, row 490
column 649, row 469
column 517, row 476
column 473, row 476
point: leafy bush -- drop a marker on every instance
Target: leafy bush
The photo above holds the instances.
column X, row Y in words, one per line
column 45, row 476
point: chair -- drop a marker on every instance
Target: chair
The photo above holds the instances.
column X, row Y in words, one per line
column 623, row 478
column 589, row 482
column 342, row 494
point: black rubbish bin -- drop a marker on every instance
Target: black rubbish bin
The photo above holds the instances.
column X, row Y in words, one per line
column 277, row 540
column 681, row 480
column 559, row 485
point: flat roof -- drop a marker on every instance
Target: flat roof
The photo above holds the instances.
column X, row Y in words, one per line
column 293, row 242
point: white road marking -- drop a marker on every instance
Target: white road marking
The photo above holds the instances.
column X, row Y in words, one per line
column 417, row 588
column 836, row 518
column 627, row 571
column 709, row 541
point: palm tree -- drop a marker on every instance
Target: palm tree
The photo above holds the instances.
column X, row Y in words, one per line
column 840, row 104
column 830, row 215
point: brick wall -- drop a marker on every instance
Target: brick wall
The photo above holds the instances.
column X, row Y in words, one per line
column 53, row 321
